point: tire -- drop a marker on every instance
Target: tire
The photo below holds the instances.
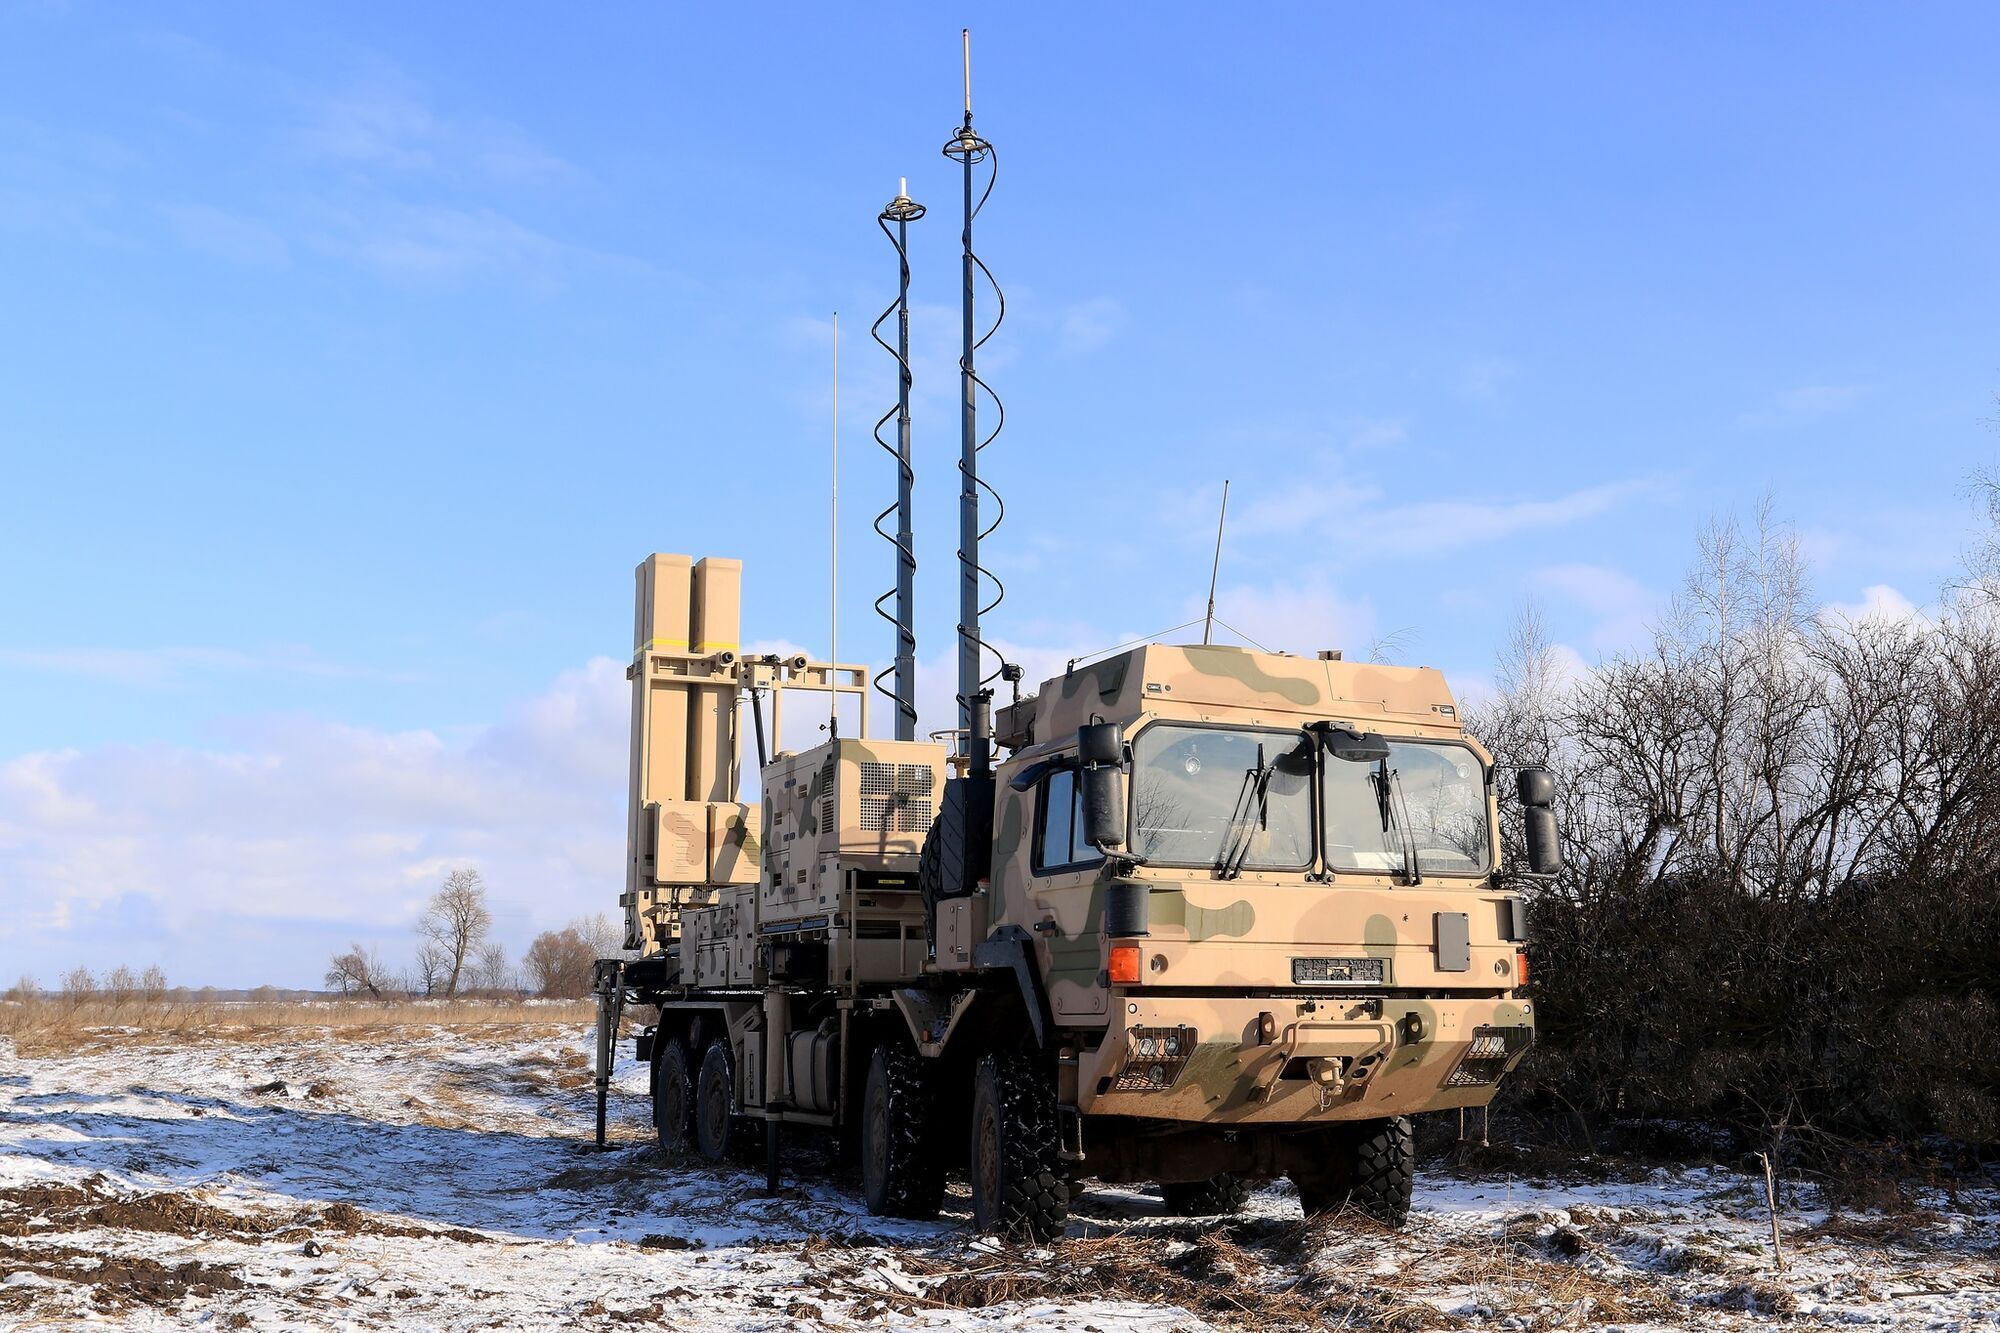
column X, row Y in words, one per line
column 1372, row 1171
column 1222, row 1195
column 1019, row 1188
column 716, row 1129
column 902, row 1174
column 673, row 1098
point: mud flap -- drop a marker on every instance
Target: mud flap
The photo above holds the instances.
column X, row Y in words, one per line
column 1011, row 947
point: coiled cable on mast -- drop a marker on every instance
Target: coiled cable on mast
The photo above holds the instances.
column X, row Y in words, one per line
column 970, row 149
column 902, row 211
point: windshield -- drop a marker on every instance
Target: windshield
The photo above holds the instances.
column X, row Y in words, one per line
column 1232, row 798
column 1434, row 790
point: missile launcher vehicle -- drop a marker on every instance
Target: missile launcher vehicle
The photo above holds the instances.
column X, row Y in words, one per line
column 1186, row 914
column 1192, row 915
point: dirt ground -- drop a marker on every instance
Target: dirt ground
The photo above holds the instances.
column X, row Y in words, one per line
column 424, row 1178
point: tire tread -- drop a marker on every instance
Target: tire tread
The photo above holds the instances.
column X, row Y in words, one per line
column 1034, row 1188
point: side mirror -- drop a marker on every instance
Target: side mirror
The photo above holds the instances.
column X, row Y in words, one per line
column 1100, row 743
column 1100, row 750
column 1537, row 788
column 1103, row 806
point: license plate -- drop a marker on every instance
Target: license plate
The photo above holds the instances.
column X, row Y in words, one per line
column 1336, row 971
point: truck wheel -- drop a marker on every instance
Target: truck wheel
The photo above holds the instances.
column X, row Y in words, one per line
column 1221, row 1195
column 715, row 1126
column 1018, row 1186
column 1373, row 1171
column 673, row 1097
column 901, row 1174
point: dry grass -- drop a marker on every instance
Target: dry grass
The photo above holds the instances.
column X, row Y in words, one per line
column 46, row 1026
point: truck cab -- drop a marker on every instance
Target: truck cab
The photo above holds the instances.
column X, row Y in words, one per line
column 1301, row 924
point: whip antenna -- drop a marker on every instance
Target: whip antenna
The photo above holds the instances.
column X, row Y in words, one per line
column 833, row 544
column 1208, row 623
column 902, row 211
column 969, row 150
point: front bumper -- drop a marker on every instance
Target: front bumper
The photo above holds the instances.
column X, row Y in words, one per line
column 1299, row 1058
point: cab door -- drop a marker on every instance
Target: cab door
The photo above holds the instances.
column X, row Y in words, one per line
column 1067, row 900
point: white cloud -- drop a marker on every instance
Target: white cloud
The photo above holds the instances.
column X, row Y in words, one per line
column 384, row 125
column 1625, row 608
column 1804, row 403
column 1088, row 325
column 439, row 241
column 177, row 663
column 1431, row 526
column 1879, row 602
column 1300, row 617
column 1378, row 434
column 1301, row 505
column 225, row 235
column 1482, row 378
column 314, row 831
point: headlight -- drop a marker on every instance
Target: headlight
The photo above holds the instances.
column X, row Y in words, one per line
column 1154, row 1058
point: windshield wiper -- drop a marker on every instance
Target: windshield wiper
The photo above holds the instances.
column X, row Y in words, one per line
column 1385, row 777
column 1251, row 798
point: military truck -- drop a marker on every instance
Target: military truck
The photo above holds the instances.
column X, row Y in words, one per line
column 1192, row 915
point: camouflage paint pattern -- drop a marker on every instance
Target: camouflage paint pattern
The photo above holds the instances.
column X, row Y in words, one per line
column 1222, row 950
column 1236, row 1077
column 1233, row 942
column 845, row 804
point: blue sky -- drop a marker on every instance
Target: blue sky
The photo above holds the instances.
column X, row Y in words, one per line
column 354, row 354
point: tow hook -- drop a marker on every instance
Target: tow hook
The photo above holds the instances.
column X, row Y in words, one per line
column 1328, row 1076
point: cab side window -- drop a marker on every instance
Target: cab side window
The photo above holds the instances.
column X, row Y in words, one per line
column 1059, row 843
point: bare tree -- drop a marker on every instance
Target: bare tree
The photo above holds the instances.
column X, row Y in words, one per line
column 1983, row 583
column 152, row 985
column 558, row 964
column 25, row 990
column 605, row 935
column 78, row 985
column 452, row 927
column 489, row 970
column 359, row 971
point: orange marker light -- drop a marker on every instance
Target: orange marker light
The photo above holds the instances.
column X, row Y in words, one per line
column 1520, row 970
column 1123, row 965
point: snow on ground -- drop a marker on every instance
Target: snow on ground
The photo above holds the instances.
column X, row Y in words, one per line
column 420, row 1178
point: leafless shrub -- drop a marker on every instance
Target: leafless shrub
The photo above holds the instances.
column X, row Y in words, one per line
column 78, row 985
column 1781, row 828
column 359, row 971
column 120, row 986
column 558, row 963
column 43, row 1027
column 25, row 991
column 153, row 986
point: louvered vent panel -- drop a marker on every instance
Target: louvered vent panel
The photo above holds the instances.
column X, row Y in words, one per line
column 895, row 798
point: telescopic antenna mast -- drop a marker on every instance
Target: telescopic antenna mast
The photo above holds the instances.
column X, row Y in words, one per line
column 901, row 211
column 968, row 149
